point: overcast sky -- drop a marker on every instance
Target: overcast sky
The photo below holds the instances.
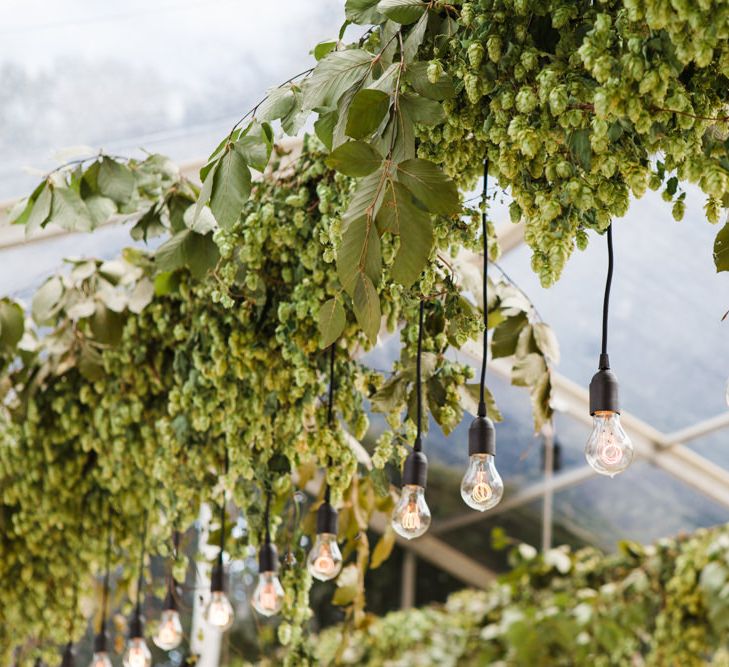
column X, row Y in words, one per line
column 169, row 75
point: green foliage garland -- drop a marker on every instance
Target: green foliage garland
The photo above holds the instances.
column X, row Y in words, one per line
column 657, row 605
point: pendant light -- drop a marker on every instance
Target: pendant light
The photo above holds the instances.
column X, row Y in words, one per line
column 100, row 657
column 609, row 450
column 169, row 631
column 325, row 559
column 411, row 516
column 219, row 612
column 481, row 487
column 137, row 653
column 268, row 595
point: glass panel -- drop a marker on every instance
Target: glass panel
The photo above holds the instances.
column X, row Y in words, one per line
column 148, row 74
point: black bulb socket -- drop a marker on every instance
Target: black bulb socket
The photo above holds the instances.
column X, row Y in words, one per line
column 415, row 470
column 170, row 603
column 604, row 389
column 217, row 578
column 136, row 626
column 101, row 640
column 268, row 558
column 69, row 656
column 481, row 436
column 327, row 519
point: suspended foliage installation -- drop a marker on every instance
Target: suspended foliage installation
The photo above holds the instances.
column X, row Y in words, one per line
column 134, row 382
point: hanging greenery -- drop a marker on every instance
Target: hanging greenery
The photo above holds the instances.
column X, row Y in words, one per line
column 136, row 376
column 662, row 604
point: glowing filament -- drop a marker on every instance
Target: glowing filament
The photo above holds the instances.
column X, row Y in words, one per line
column 482, row 490
column 324, row 562
column 268, row 597
column 411, row 518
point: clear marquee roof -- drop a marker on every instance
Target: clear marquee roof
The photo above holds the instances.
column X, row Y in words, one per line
column 77, row 74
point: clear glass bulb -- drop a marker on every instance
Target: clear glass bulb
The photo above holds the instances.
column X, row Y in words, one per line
column 137, row 653
column 482, row 487
column 609, row 450
column 219, row 612
column 101, row 659
column 269, row 594
column 411, row 516
column 169, row 632
column 325, row 558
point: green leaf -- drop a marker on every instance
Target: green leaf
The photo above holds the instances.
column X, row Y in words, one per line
column 187, row 249
column 344, row 595
column 362, row 11
column 231, row 187
column 383, row 548
column 391, row 395
column 69, row 211
column 402, row 11
column 359, row 254
column 255, row 146
column 322, row 49
column 415, row 38
column 430, row 185
column 278, row 103
column 39, row 213
column 324, row 128
column 547, row 341
column 100, row 208
column 355, row 158
column 402, row 216
column 367, row 198
column 116, row 180
column 331, row 322
column 12, row 324
column 417, row 76
column 527, row 370
column 506, row 336
column 470, row 395
column 366, row 112
column 205, row 191
column 106, row 325
column 367, row 306
column 46, row 301
column 721, row 249
column 579, row 143
column 335, row 74
column 422, row 110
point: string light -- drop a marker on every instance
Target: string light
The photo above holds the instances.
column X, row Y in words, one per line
column 100, row 656
column 481, row 487
column 169, row 631
column 609, row 450
column 268, row 595
column 219, row 612
column 411, row 516
column 325, row 558
column 137, row 653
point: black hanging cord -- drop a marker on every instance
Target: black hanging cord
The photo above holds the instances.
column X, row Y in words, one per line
column 226, row 465
column 604, row 361
column 418, row 380
column 267, row 515
column 140, row 576
column 105, row 594
column 330, row 409
column 484, row 238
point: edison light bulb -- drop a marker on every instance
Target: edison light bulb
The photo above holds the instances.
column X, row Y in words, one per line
column 169, row 633
column 137, row 653
column 325, row 559
column 219, row 612
column 269, row 594
column 411, row 516
column 101, row 659
column 609, row 450
column 481, row 487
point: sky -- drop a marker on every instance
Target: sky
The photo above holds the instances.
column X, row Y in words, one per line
column 167, row 75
